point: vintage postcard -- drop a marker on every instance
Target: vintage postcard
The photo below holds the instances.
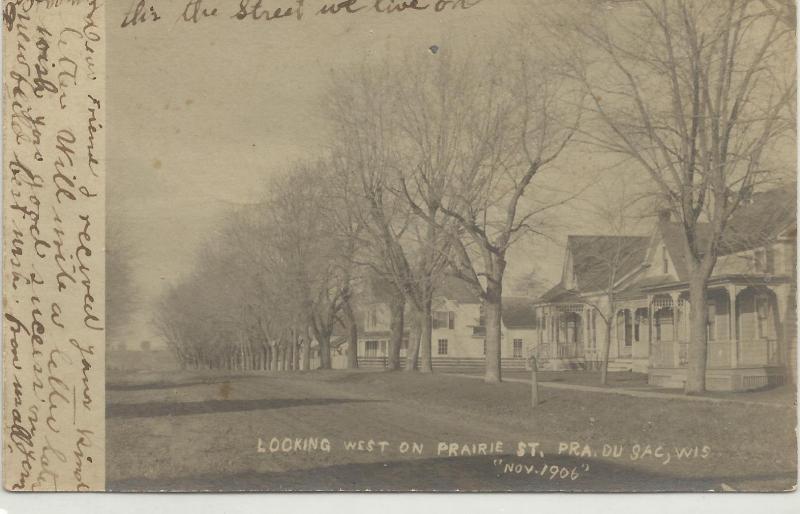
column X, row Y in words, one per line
column 399, row 245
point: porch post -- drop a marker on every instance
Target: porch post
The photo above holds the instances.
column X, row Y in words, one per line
column 732, row 330
column 585, row 323
column 614, row 331
column 677, row 313
column 650, row 331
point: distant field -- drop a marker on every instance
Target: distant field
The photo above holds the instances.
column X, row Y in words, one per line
column 200, row 431
column 129, row 360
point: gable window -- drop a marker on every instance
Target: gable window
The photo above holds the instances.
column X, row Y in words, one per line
column 444, row 319
column 517, row 350
column 664, row 260
column 442, row 347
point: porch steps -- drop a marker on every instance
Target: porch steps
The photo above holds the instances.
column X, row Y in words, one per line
column 620, row 365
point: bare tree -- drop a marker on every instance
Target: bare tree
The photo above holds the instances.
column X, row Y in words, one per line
column 479, row 135
column 695, row 93
column 367, row 157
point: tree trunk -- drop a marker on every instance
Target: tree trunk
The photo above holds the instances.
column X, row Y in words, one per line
column 412, row 354
column 397, row 308
column 698, row 343
column 606, row 351
column 324, row 351
column 307, row 353
column 290, row 354
column 426, row 334
column 352, row 344
column 493, row 312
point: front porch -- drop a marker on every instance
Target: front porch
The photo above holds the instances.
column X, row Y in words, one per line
column 744, row 349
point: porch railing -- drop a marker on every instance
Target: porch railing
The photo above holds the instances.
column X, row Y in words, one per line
column 546, row 351
column 675, row 354
column 760, row 352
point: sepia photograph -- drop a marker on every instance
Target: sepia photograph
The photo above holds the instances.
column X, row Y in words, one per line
column 405, row 246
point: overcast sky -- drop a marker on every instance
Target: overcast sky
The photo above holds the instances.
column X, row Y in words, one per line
column 199, row 115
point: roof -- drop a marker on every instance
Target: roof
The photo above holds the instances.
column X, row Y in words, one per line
column 456, row 289
column 638, row 287
column 594, row 258
column 671, row 236
column 559, row 294
column 518, row 312
column 761, row 220
column 754, row 224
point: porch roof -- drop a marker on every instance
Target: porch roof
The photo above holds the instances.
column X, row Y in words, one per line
column 558, row 294
column 665, row 283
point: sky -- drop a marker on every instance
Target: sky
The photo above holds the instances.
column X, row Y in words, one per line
column 201, row 115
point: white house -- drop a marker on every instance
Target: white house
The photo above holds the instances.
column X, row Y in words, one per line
column 458, row 335
column 751, row 301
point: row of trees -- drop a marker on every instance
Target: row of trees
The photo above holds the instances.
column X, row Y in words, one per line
column 427, row 174
column 438, row 166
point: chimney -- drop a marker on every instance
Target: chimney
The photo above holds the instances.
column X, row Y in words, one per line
column 664, row 215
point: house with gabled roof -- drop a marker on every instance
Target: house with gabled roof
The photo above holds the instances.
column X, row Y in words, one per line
column 458, row 336
column 751, row 302
column 572, row 315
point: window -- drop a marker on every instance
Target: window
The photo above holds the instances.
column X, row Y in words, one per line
column 593, row 316
column 759, row 260
column 665, row 324
column 624, row 328
column 762, row 316
column 442, row 319
column 371, row 348
column 404, row 344
column 383, row 348
column 442, row 347
column 641, row 324
column 484, row 346
column 571, row 324
column 788, row 259
column 711, row 322
column 517, row 348
column 372, row 318
column 664, row 260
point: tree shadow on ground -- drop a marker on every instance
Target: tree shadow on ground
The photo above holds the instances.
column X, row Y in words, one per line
column 147, row 386
column 158, row 409
column 465, row 474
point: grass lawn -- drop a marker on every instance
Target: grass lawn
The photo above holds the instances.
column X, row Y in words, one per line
column 195, row 431
column 638, row 382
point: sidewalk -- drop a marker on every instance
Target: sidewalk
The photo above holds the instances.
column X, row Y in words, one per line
column 637, row 393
